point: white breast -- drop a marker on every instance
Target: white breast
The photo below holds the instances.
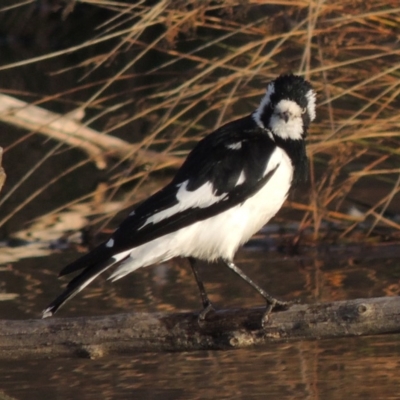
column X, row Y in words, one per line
column 221, row 235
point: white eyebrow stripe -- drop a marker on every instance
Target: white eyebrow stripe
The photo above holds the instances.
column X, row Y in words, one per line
column 264, row 102
column 311, row 98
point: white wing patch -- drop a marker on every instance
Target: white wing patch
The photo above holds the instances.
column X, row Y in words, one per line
column 234, row 146
column 274, row 161
column 264, row 102
column 110, row 243
column 202, row 197
column 242, row 178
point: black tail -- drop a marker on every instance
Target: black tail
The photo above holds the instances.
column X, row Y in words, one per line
column 76, row 285
column 95, row 262
column 96, row 256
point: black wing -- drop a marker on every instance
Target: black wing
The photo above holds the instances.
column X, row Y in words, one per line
column 239, row 147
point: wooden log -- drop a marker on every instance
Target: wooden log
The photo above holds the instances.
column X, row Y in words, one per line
column 94, row 337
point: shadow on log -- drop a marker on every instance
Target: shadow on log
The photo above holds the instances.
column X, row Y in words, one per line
column 94, row 337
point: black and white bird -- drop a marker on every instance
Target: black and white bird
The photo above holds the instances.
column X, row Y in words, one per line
column 231, row 184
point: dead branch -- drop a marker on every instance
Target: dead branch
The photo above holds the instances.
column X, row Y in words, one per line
column 69, row 130
column 94, row 337
column 2, row 173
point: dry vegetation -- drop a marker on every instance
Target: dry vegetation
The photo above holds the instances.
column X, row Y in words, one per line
column 161, row 75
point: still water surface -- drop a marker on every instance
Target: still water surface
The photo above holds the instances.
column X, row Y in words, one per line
column 351, row 368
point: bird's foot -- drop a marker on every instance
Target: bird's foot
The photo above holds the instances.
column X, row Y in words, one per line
column 277, row 305
column 206, row 312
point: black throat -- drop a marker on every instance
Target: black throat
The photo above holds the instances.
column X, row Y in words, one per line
column 296, row 150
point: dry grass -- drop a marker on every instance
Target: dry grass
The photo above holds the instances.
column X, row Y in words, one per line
column 176, row 70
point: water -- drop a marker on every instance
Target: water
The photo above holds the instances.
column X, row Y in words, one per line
column 356, row 368
column 350, row 368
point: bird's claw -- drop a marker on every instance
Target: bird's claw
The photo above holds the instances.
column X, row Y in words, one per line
column 277, row 305
column 207, row 310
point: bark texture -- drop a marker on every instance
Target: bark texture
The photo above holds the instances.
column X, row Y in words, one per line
column 68, row 129
column 94, row 337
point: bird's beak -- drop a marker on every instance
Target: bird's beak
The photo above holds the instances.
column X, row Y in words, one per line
column 285, row 116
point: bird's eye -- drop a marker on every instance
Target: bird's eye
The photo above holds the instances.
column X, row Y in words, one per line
column 304, row 110
column 271, row 106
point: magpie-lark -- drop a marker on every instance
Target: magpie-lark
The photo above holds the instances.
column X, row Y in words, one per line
column 231, row 184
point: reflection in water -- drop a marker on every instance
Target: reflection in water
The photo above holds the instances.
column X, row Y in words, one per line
column 347, row 368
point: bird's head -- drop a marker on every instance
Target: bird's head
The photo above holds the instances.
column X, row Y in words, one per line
column 287, row 108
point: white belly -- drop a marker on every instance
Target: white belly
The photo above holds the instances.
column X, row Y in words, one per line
column 221, row 235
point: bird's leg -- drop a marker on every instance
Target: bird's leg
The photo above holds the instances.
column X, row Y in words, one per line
column 207, row 305
column 272, row 302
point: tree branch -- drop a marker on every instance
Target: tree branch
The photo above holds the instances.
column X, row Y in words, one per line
column 94, row 337
column 68, row 130
column 2, row 173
